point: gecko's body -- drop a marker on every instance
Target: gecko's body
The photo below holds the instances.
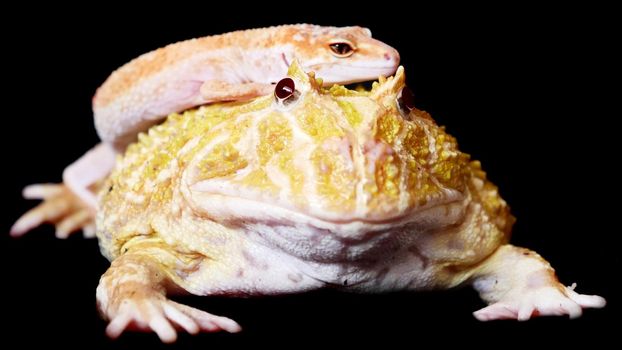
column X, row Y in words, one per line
column 234, row 66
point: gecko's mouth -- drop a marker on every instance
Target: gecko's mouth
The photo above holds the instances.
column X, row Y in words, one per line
column 342, row 74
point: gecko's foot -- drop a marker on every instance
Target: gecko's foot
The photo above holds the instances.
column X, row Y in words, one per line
column 59, row 207
column 163, row 316
column 543, row 301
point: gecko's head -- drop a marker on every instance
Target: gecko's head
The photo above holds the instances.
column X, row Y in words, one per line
column 343, row 55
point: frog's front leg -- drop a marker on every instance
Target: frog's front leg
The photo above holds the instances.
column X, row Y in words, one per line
column 517, row 284
column 132, row 295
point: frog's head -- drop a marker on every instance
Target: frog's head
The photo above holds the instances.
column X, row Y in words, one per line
column 342, row 54
column 330, row 155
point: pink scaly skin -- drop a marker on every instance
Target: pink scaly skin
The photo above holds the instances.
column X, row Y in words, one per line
column 235, row 66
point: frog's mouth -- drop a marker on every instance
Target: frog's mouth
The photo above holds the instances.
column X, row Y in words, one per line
column 222, row 202
column 349, row 194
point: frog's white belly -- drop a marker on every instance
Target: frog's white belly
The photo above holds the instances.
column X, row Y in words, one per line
column 295, row 257
column 270, row 272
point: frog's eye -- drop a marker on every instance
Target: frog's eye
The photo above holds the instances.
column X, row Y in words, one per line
column 341, row 48
column 406, row 101
column 285, row 90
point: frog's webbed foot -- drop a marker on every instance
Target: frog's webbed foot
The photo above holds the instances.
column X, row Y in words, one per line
column 162, row 316
column 519, row 284
column 545, row 301
column 132, row 295
column 59, row 207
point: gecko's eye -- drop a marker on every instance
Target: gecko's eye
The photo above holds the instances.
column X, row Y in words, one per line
column 285, row 89
column 406, row 101
column 341, row 48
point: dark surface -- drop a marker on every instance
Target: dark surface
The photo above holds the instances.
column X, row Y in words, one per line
column 523, row 90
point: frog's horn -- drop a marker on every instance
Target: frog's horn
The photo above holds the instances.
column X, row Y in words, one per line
column 304, row 80
column 389, row 86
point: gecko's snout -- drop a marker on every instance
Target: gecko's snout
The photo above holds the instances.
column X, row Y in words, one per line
column 392, row 57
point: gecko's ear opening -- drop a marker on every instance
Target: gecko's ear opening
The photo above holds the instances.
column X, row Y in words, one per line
column 304, row 81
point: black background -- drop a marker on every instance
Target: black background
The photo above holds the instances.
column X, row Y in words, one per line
column 528, row 91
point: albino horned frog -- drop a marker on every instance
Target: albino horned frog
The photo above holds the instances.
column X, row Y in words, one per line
column 302, row 189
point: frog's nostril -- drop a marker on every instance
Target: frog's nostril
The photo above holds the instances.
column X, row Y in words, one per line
column 387, row 56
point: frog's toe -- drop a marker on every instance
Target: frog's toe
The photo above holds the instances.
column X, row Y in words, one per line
column 163, row 316
column 585, row 301
column 496, row 311
column 544, row 301
column 204, row 320
column 142, row 315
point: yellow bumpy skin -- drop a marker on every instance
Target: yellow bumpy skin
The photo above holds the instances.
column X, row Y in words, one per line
column 333, row 154
column 307, row 188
